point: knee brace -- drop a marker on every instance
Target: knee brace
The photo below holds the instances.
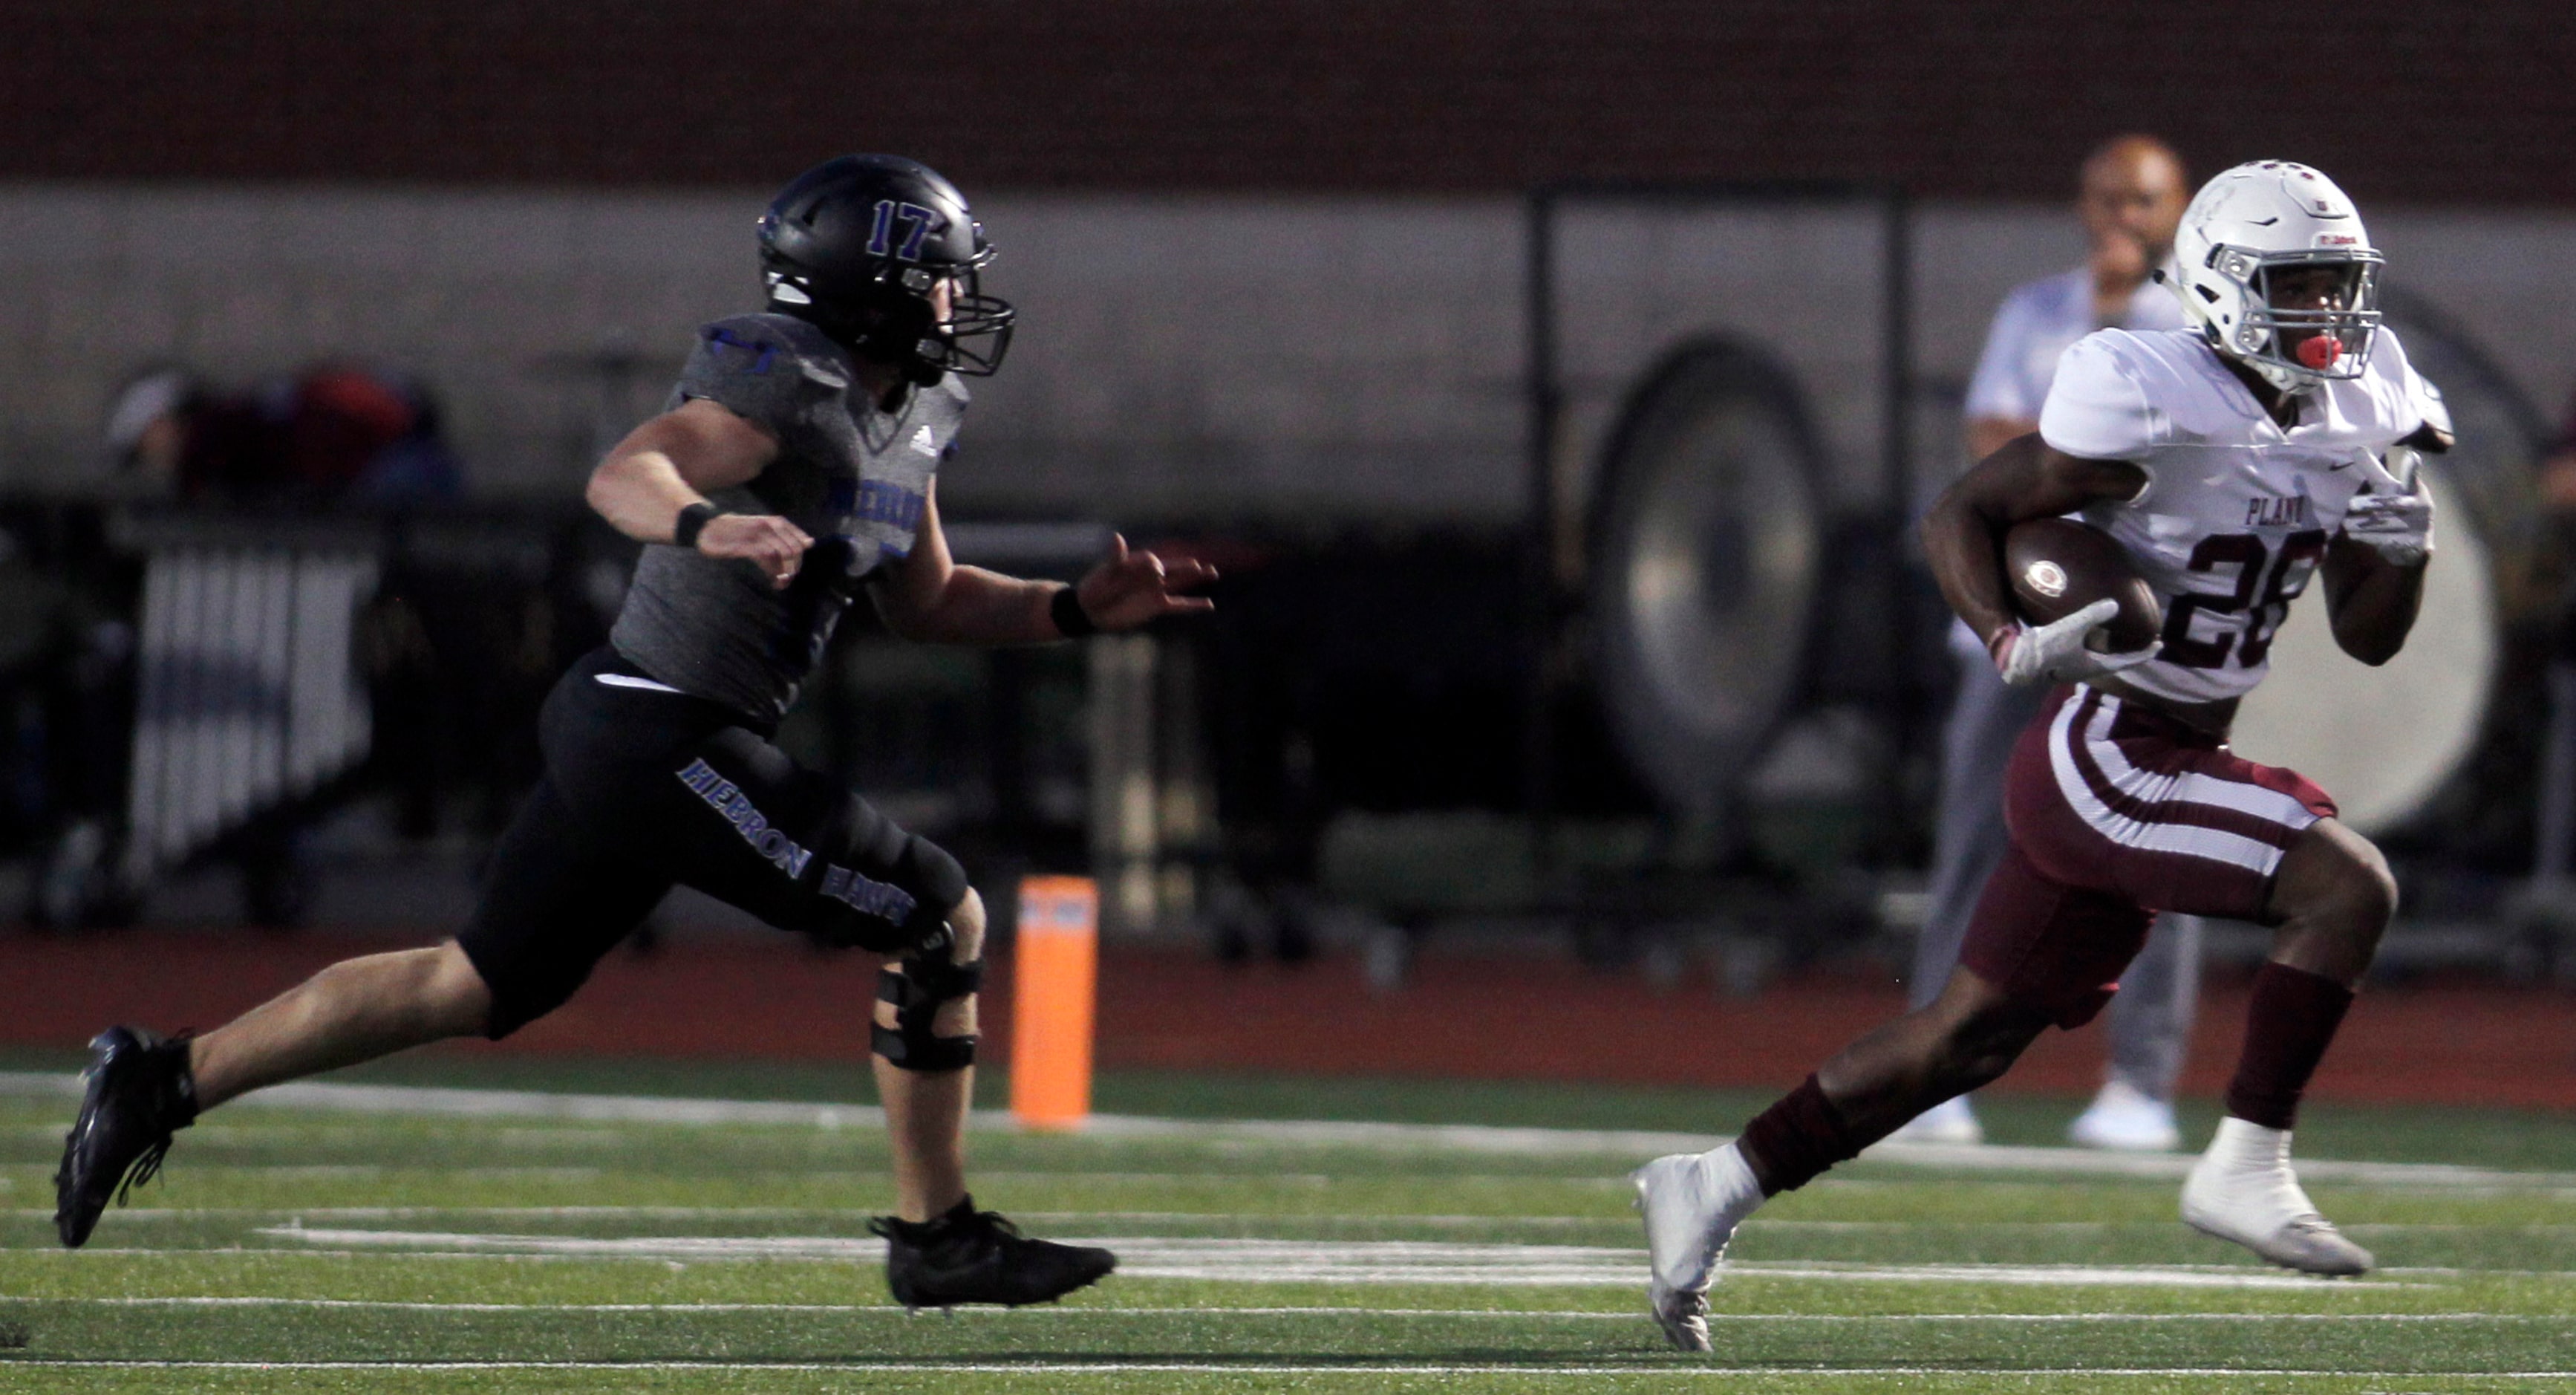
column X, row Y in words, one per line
column 928, row 979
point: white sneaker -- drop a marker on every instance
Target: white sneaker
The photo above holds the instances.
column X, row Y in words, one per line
column 2242, row 1189
column 1950, row 1121
column 1692, row 1203
column 2124, row 1118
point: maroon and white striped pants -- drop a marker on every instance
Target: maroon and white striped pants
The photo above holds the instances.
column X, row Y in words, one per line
column 2118, row 811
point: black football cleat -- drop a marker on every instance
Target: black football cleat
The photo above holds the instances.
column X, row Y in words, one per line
column 971, row 1256
column 139, row 1093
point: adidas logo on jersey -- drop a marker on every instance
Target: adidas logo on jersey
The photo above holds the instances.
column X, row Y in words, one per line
column 922, row 442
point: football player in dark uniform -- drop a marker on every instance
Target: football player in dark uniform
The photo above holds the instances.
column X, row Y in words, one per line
column 791, row 470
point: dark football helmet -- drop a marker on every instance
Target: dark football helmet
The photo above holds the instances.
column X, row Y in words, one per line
column 859, row 247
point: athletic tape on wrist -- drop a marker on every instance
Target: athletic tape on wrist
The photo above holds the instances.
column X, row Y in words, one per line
column 1071, row 620
column 692, row 521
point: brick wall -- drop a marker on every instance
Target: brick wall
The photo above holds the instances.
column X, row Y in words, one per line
column 2424, row 102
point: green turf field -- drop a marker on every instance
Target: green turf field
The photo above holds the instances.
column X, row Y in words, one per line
column 297, row 1249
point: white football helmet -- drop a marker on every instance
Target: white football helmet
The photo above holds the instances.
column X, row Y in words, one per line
column 2254, row 219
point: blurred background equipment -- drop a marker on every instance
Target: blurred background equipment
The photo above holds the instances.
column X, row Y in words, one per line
column 249, row 694
column 1560, row 457
column 1738, row 563
column 1707, row 575
column 1683, row 644
column 1729, row 525
column 330, row 435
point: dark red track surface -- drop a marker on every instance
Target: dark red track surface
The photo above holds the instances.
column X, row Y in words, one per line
column 1490, row 1017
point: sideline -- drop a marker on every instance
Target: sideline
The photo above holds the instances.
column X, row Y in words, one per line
column 1258, row 1261
column 1256, row 1366
column 1630, row 1144
column 1088, row 1313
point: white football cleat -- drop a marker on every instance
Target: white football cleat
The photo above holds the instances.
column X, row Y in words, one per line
column 1682, row 1313
column 2126, row 1119
column 2242, row 1189
column 1692, row 1203
column 1951, row 1121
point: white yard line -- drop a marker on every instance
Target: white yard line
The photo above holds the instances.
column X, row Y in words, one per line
column 1089, row 1313
column 2052, row 1275
column 2414, row 1276
column 397, row 1213
column 1254, row 1366
column 1260, row 1218
column 507, row 1104
column 1454, row 1138
column 685, row 1213
column 1256, row 1261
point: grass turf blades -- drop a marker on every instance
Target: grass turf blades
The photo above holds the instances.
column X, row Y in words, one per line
column 290, row 1250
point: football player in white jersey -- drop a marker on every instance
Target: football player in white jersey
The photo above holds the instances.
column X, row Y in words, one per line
column 2133, row 192
column 2233, row 459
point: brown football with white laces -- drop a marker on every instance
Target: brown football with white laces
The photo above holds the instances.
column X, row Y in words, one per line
column 2059, row 566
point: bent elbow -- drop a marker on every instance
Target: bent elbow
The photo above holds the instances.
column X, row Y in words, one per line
column 905, row 622
column 597, row 491
column 1940, row 521
column 2370, row 650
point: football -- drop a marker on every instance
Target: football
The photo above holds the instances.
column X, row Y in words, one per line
column 2059, row 566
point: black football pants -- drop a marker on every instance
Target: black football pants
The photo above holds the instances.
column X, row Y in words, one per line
column 645, row 789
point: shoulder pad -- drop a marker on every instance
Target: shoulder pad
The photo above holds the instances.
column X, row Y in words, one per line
column 765, row 368
column 763, row 344
column 2417, row 400
column 2099, row 405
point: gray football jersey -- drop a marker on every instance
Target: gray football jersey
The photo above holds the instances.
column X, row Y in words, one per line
column 853, row 477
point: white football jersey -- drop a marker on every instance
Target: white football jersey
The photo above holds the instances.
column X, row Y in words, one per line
column 2237, row 511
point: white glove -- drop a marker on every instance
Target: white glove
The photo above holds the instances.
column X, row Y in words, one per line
column 2394, row 516
column 2055, row 652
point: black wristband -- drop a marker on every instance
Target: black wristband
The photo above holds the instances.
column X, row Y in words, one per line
column 1071, row 620
column 692, row 521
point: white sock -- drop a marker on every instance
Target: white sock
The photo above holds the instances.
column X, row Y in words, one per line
column 2241, row 1146
column 1728, row 1160
column 1730, row 1177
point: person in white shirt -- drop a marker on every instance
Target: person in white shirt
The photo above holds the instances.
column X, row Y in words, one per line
column 2274, row 442
column 2131, row 196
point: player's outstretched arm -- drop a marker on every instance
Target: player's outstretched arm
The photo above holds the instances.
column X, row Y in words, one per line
column 930, row 598
column 667, row 466
column 1131, row 587
column 1963, row 535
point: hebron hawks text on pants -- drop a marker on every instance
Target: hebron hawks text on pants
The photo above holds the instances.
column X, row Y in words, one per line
column 840, row 883
column 729, row 800
column 868, row 894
